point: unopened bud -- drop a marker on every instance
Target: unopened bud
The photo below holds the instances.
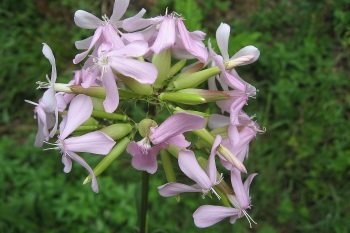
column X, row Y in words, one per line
column 117, row 131
column 144, row 127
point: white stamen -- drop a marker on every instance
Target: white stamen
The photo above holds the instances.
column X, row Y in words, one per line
column 216, row 194
column 31, row 102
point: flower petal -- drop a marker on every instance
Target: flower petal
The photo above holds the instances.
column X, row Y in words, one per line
column 79, row 111
column 208, row 215
column 211, row 167
column 83, row 163
column 175, row 125
column 67, row 162
column 179, row 141
column 86, row 20
column 247, row 183
column 119, row 9
column 237, row 185
column 171, row 189
column 79, row 57
column 94, row 142
column 143, row 72
column 112, row 96
column 222, row 37
column 143, row 159
column 49, row 55
column 166, row 36
column 217, row 121
column 134, row 49
column 194, row 47
column 189, row 165
column 83, row 44
column 247, row 51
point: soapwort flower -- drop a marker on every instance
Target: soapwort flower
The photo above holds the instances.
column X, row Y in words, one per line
column 169, row 132
column 208, row 215
column 95, row 142
column 106, row 29
column 205, row 180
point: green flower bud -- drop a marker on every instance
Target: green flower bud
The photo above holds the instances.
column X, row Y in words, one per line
column 176, row 68
column 116, row 151
column 144, row 127
column 162, row 62
column 117, row 131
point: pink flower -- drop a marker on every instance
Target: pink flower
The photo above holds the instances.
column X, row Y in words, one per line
column 169, row 132
column 47, row 109
column 205, row 180
column 208, row 215
column 169, row 31
column 121, row 61
column 80, row 110
column 106, row 29
column 247, row 132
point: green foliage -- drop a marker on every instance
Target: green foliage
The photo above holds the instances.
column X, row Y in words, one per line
column 303, row 159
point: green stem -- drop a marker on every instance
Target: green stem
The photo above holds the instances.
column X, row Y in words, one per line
column 144, row 202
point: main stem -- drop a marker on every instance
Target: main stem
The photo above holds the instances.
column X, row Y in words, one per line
column 144, row 202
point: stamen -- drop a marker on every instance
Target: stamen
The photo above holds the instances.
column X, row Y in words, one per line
column 43, row 85
column 31, row 102
column 248, row 218
column 216, row 194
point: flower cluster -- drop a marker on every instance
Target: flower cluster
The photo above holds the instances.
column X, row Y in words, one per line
column 158, row 61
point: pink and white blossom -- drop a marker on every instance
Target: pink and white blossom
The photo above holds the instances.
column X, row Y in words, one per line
column 169, row 132
column 205, row 180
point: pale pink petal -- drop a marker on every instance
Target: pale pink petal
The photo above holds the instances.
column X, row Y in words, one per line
column 211, row 167
column 43, row 133
column 83, row 163
column 189, row 165
column 191, row 45
column 237, row 185
column 166, row 36
column 141, row 13
column 234, row 82
column 88, row 78
column 132, row 36
column 144, row 159
column 79, row 57
column 135, row 23
column 208, row 215
column 233, row 135
column 61, row 102
column 247, row 51
column 222, row 37
column 175, row 125
column 171, row 189
column 49, row 100
column 134, row 49
column 49, row 55
column 179, row 141
column 112, row 95
column 79, row 111
column 111, row 36
column 217, row 121
column 94, row 142
column 119, row 9
column 83, row 44
column 143, row 72
column 247, row 183
column 86, row 20
column 67, row 162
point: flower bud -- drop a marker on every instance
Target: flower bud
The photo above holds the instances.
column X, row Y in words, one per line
column 144, row 127
column 117, row 131
column 194, row 79
column 116, row 151
column 176, row 68
column 162, row 62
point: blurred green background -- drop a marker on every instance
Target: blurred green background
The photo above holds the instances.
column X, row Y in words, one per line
column 303, row 159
